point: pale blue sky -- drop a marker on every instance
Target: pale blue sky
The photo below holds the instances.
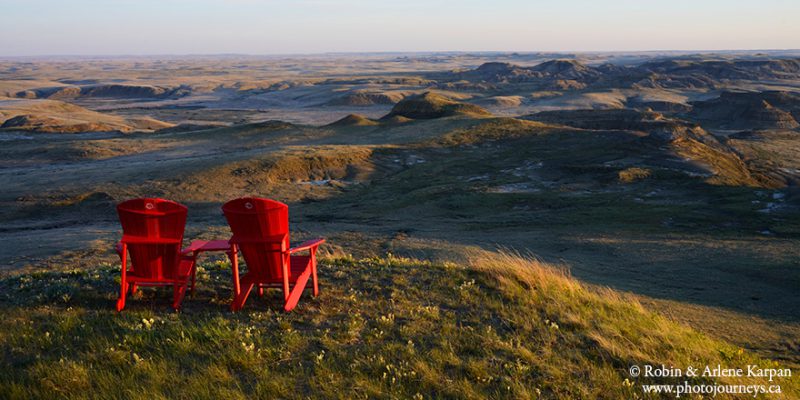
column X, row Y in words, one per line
column 112, row 27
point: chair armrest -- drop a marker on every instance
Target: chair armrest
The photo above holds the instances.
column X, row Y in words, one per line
column 307, row 245
column 194, row 246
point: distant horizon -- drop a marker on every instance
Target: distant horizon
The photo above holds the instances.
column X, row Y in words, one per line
column 31, row 28
column 477, row 52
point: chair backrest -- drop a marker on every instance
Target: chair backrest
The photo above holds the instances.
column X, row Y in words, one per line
column 261, row 229
column 155, row 227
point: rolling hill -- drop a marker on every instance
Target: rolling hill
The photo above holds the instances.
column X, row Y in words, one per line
column 53, row 116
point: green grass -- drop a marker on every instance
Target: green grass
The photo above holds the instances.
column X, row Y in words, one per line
column 494, row 325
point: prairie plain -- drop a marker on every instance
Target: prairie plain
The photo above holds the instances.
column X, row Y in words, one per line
column 666, row 180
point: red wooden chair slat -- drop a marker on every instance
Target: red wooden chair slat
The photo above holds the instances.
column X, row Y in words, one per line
column 261, row 232
column 152, row 237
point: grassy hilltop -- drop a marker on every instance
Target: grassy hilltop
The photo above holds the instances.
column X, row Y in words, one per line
column 492, row 325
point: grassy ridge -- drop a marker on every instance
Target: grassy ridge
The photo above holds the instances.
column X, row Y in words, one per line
column 495, row 325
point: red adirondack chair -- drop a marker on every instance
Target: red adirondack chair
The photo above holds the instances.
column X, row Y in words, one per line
column 261, row 232
column 152, row 234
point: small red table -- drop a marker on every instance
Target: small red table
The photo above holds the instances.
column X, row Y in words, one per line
column 201, row 246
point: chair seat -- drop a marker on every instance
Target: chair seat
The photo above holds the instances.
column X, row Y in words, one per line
column 298, row 265
column 184, row 273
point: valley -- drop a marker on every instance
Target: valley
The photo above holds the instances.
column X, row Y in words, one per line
column 672, row 178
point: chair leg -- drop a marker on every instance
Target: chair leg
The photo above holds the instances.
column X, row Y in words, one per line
column 314, row 275
column 194, row 273
column 241, row 297
column 234, row 257
column 122, row 295
column 179, row 291
column 297, row 290
column 133, row 288
column 123, row 279
column 260, row 291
